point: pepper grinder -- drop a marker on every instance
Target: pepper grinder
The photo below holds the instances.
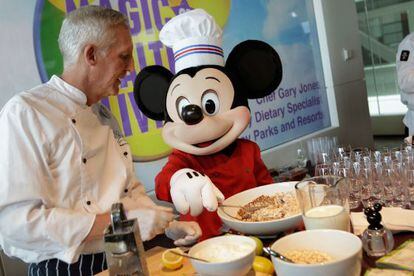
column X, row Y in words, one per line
column 377, row 240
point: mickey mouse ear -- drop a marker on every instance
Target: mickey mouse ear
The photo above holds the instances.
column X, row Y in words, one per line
column 258, row 67
column 150, row 88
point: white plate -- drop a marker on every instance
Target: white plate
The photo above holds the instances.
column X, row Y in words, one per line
column 265, row 228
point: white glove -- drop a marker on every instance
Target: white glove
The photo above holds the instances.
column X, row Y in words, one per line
column 193, row 190
column 183, row 232
column 151, row 220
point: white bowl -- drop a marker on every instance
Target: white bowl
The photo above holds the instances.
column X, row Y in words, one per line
column 215, row 246
column 265, row 228
column 344, row 247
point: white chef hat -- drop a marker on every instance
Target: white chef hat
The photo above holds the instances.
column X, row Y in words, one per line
column 195, row 39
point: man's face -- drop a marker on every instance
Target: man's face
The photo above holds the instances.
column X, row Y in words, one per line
column 113, row 64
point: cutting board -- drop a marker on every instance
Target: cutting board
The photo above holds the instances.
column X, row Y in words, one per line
column 156, row 269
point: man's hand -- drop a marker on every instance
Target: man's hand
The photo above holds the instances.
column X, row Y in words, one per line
column 191, row 190
column 183, row 233
column 152, row 220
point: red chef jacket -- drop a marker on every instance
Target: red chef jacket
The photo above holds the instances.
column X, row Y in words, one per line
column 241, row 170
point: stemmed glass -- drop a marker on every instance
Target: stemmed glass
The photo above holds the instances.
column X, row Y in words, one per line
column 366, row 178
column 388, row 180
column 343, row 169
column 325, row 167
column 410, row 187
column 377, row 182
column 399, row 187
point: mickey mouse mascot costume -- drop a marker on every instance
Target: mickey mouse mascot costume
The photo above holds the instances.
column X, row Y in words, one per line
column 205, row 109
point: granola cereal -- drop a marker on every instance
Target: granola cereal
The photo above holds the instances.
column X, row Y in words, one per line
column 265, row 207
column 308, row 256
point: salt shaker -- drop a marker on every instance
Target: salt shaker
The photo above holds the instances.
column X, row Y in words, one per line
column 376, row 239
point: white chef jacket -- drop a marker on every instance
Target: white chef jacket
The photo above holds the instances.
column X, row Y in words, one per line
column 405, row 75
column 60, row 164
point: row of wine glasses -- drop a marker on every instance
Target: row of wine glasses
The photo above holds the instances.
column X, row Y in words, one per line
column 385, row 176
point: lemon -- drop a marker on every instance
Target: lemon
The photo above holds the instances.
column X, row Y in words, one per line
column 263, row 265
column 171, row 260
column 259, row 245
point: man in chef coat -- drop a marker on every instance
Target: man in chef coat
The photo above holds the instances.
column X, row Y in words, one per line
column 405, row 75
column 64, row 161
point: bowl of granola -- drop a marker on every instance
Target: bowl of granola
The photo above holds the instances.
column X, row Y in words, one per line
column 262, row 211
column 319, row 252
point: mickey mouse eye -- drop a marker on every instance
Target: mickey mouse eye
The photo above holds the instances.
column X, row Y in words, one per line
column 210, row 102
column 181, row 103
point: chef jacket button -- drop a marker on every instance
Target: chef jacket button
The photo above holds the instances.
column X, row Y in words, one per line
column 247, row 170
column 84, row 160
column 88, row 202
column 126, row 190
column 74, row 121
column 125, row 153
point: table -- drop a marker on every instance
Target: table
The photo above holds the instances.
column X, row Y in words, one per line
column 156, row 246
column 154, row 250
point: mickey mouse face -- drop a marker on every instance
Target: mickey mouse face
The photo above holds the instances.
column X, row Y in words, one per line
column 200, row 109
column 210, row 90
column 206, row 107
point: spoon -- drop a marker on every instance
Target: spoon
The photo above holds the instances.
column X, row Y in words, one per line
column 247, row 209
column 273, row 253
column 188, row 256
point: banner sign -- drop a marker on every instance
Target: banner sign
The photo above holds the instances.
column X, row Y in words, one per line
column 296, row 108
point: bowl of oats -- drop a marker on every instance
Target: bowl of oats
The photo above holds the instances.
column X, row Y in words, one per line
column 319, row 252
column 262, row 211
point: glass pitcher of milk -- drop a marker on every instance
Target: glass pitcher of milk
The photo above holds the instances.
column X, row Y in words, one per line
column 324, row 202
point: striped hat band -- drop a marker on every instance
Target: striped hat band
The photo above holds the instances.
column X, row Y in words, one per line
column 198, row 49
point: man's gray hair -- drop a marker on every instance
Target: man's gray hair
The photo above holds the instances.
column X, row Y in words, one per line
column 89, row 24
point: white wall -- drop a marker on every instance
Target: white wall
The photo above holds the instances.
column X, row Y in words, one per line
column 338, row 31
column 16, row 35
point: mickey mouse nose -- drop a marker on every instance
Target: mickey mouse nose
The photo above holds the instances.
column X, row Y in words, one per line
column 192, row 114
